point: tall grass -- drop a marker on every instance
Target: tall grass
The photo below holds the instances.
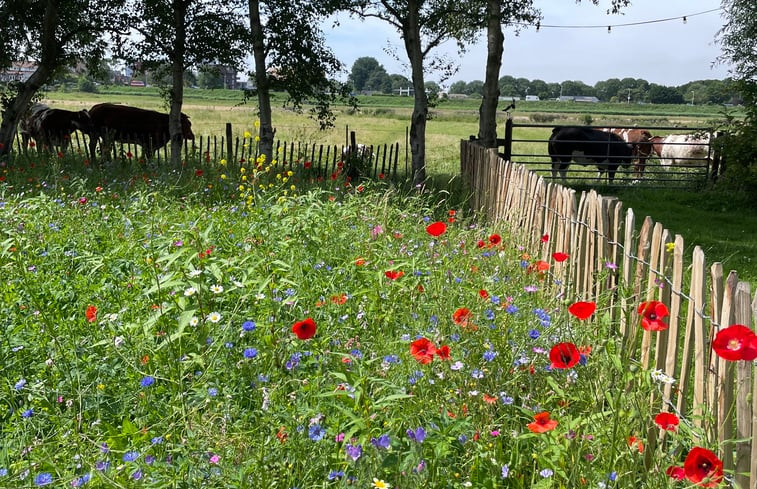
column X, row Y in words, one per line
column 155, row 334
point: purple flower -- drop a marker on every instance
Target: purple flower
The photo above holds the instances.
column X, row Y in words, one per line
column 102, row 465
column 28, row 413
column 418, row 435
column 382, row 441
column 248, row 326
column 80, row 481
column 354, row 451
column 505, row 471
column 336, row 474
column 316, row 432
column 250, row 352
column 147, row 381
column 20, row 384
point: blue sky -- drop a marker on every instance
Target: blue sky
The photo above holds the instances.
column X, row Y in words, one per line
column 669, row 53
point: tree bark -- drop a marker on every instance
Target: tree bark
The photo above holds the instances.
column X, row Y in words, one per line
column 262, row 83
column 177, row 80
column 487, row 123
column 412, row 38
column 15, row 107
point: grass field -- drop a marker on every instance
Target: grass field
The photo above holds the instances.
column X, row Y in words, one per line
column 723, row 224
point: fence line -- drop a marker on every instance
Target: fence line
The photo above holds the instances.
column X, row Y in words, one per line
column 608, row 254
column 379, row 161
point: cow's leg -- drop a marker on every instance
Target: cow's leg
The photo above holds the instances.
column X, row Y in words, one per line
column 561, row 166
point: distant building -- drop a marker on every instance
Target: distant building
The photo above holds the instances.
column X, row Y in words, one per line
column 18, row 71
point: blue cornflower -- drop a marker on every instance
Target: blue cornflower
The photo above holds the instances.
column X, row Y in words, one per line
column 546, row 473
column 612, row 476
column 262, row 378
column 294, row 361
column 418, row 435
column 391, row 359
column 147, row 381
column 80, row 481
column 248, row 326
column 489, row 314
column 250, row 353
column 477, row 374
column 157, row 440
column 534, row 334
column 3, row 471
column 130, row 456
column 356, row 353
column 495, row 300
column 316, row 432
column 489, row 355
column 43, row 479
column 505, row 471
column 462, row 439
column 28, row 413
column 511, row 309
column 336, row 474
column 212, row 391
column 382, row 441
column 20, row 384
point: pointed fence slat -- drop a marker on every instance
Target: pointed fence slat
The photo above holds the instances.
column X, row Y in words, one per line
column 719, row 398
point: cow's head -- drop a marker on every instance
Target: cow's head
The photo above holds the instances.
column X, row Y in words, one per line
column 186, row 127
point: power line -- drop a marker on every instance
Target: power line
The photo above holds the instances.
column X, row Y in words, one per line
column 609, row 27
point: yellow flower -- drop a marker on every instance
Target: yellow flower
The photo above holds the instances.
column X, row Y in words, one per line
column 242, row 170
column 293, row 188
column 257, row 124
column 222, row 162
column 257, row 138
column 247, row 135
column 380, row 484
column 670, row 247
column 290, row 173
column 223, row 176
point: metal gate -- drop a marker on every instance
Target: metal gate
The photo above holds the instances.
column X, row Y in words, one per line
column 682, row 157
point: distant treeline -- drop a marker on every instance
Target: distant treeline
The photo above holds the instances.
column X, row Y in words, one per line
column 634, row 90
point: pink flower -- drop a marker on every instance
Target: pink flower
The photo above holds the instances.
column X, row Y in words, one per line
column 214, row 459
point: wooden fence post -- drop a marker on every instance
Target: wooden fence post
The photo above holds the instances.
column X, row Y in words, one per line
column 228, row 142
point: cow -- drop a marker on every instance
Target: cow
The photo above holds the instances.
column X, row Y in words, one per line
column 586, row 145
column 126, row 124
column 639, row 139
column 52, row 128
column 685, row 150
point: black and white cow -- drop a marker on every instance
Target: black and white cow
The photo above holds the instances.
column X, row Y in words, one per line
column 588, row 146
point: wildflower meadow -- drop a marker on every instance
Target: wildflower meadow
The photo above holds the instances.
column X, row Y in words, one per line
column 250, row 324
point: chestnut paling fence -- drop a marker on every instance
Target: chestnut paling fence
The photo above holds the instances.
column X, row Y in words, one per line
column 719, row 397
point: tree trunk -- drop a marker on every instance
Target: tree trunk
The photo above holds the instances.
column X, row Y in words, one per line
column 15, row 107
column 177, row 81
column 487, row 123
column 262, row 84
column 412, row 38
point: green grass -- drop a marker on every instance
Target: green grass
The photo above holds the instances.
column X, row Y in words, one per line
column 147, row 340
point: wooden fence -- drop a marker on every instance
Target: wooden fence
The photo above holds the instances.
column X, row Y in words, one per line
column 379, row 161
column 719, row 397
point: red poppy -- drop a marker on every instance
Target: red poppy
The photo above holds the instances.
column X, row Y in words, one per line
column 489, row 399
column 483, row 294
column 443, row 352
column 394, row 274
column 480, row 243
column 736, row 342
column 359, row 261
column 542, row 423
column 198, row 172
column 653, row 312
column 667, row 421
column 564, row 355
column 545, row 238
column 91, row 314
column 582, row 310
column 560, row 256
column 676, row 472
column 307, row 164
column 636, row 443
column 495, row 239
column 703, row 467
column 436, row 229
column 304, row 329
column 423, row 350
column 461, row 316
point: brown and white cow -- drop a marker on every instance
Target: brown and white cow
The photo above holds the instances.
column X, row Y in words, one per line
column 126, row 124
column 686, row 150
column 52, row 128
column 640, row 141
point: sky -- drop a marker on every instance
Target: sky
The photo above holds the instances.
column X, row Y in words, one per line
column 669, row 53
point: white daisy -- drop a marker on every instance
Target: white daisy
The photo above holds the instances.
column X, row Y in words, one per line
column 194, row 273
column 194, row 321
column 216, row 289
column 189, row 292
column 214, row 317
